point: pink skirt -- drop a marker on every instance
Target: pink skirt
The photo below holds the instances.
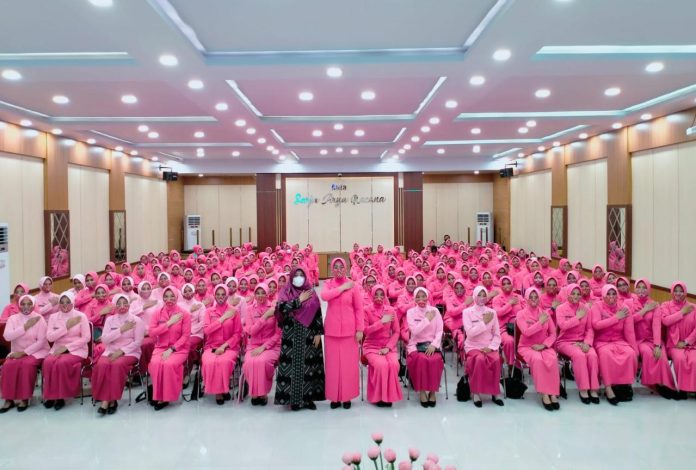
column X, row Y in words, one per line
column 341, row 356
column 109, row 377
column 217, row 370
column 61, row 376
column 508, row 344
column 146, row 349
column 544, row 367
column 425, row 371
column 585, row 365
column 654, row 371
column 617, row 363
column 684, row 361
column 259, row 371
column 383, row 378
column 194, row 344
column 167, row 375
column 484, row 372
column 18, row 378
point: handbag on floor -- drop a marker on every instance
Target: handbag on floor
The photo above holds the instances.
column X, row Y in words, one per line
column 513, row 388
column 623, row 392
column 463, row 389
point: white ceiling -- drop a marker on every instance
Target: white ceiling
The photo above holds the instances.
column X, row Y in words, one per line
column 415, row 55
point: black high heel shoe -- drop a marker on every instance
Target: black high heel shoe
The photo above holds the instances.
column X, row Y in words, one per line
column 112, row 408
column 594, row 400
column 335, row 404
column 478, row 403
column 498, row 401
column 7, row 408
column 556, row 405
column 585, row 400
column 614, row 401
column 346, row 405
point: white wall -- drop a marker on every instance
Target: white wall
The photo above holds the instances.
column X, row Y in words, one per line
column 22, row 206
column 664, row 214
column 88, row 202
column 530, row 212
column 146, row 216
column 587, row 213
column 222, row 207
column 450, row 208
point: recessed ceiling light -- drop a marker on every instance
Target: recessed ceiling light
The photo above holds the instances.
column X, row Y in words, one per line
column 251, row 131
column 275, row 152
column 501, row 55
column 434, row 121
column 102, row 3
column 168, row 60
column 415, row 138
column 541, row 148
column 236, row 153
column 60, row 99
column 91, row 141
column 477, row 148
column 195, row 84
column 282, row 157
column 476, row 172
column 520, row 155
column 200, row 155
column 31, row 132
column 531, row 123
column 200, row 175
column 339, row 150
column 395, row 156
column 143, row 128
column 354, row 152
column 359, row 133
column 10, row 74
column 556, row 143
column 129, row 99
column 317, row 133
column 450, row 104
column 334, row 72
column 306, row 96
column 57, row 131
column 240, row 123
column 118, row 148
column 646, row 116
column 199, row 134
column 617, row 125
column 477, row 80
column 425, row 129
column 338, row 126
column 542, row 93
column 583, row 135
column 261, row 140
column 613, row 91
column 654, row 67
column 522, row 130
column 25, row 122
column 476, row 130
column 222, row 106
column 155, row 159
column 69, row 142
column 368, row 95
column 270, row 148
column 134, row 152
column 153, row 134
column 323, row 151
column 407, row 146
column 441, row 151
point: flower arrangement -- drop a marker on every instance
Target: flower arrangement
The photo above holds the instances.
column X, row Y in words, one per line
column 378, row 457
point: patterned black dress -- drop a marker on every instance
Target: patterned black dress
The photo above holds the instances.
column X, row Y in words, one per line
column 300, row 378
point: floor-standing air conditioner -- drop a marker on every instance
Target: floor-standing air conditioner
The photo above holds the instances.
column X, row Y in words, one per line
column 192, row 231
column 4, row 266
column 484, row 227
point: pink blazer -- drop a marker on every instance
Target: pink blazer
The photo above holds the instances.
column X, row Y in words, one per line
column 344, row 314
column 262, row 332
column 76, row 339
column 533, row 331
column 571, row 329
column 31, row 342
column 175, row 336
column 128, row 342
column 380, row 335
column 216, row 333
column 478, row 334
column 423, row 330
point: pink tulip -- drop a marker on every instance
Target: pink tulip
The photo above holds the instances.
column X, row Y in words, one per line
column 413, row 454
column 390, row 455
column 378, row 437
column 356, row 458
column 405, row 466
column 373, row 452
column 428, row 465
column 347, row 458
column 434, row 458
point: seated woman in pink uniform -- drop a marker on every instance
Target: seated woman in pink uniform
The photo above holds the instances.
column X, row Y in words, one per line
column 122, row 336
column 68, row 330
column 506, row 306
column 381, row 335
column 615, row 341
column 223, row 333
column 452, row 320
column 13, row 307
column 144, row 307
column 655, row 369
column 575, row 342
column 538, row 335
column 46, row 301
column 26, row 332
column 679, row 317
column 263, row 348
column 98, row 309
column 170, row 328
column 424, row 360
column 197, row 311
column 481, row 343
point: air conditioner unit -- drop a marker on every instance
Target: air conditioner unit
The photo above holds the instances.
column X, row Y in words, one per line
column 484, row 227
column 192, row 231
column 4, row 266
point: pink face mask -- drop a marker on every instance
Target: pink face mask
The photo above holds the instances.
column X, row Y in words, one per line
column 122, row 309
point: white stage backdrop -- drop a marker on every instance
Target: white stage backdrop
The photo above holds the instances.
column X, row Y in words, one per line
column 333, row 213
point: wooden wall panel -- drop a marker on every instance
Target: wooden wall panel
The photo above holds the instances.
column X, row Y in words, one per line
column 56, row 175
column 21, row 141
column 219, row 180
column 501, row 210
column 662, row 131
column 413, row 211
column 175, row 215
column 267, row 210
column 458, row 178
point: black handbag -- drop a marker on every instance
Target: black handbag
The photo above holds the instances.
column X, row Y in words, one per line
column 463, row 389
column 623, row 392
column 510, row 328
column 513, row 388
column 421, row 347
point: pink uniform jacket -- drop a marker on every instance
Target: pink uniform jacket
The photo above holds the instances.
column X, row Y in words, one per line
column 128, row 342
column 75, row 339
column 344, row 315
column 33, row 341
column 422, row 329
column 478, row 334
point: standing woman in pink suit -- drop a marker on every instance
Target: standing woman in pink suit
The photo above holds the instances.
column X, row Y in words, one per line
column 343, row 332
column 26, row 331
column 170, row 328
column 122, row 336
column 223, row 333
column 678, row 315
column 424, row 361
column 68, row 330
column 615, row 341
column 381, row 335
column 263, row 347
column 538, row 335
column 481, row 344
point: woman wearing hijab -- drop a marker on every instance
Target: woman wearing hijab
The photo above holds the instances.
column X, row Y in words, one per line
column 615, row 341
column 197, row 311
column 452, row 320
column 46, row 302
column 424, row 361
column 481, row 343
column 575, row 342
column 343, row 332
column 123, row 334
column 678, row 316
column 538, row 334
column 381, row 336
column 300, row 380
column 98, row 309
column 83, row 296
column 144, row 307
column 597, row 281
column 507, row 305
column 26, row 332
column 223, row 332
column 13, row 307
column 68, row 331
column 170, row 328
column 263, row 348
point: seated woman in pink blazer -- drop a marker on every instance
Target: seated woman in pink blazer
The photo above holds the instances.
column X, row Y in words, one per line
column 424, row 360
column 679, row 317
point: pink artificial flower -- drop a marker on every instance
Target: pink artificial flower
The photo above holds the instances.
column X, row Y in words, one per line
column 434, row 458
column 373, row 452
column 356, row 458
column 347, row 458
column 428, row 465
column 390, row 455
column 413, row 454
column 378, row 437
column 450, row 467
column 347, row 467
column 405, row 465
